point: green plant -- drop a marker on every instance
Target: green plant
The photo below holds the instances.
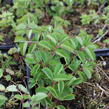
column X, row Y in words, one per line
column 50, row 74
column 6, row 19
column 57, row 61
column 91, row 17
column 86, row 19
column 6, row 61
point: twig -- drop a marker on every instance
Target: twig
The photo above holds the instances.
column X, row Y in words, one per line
column 89, row 84
column 83, row 102
column 101, row 7
column 101, row 94
column 104, row 73
column 100, row 37
column 107, row 93
column 97, row 37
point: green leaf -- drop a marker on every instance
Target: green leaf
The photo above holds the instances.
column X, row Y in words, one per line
column 2, row 101
column 81, row 55
column 18, row 96
column 106, row 41
column 60, row 107
column 11, row 88
column 30, row 59
column 75, row 81
column 23, row 89
column 2, row 87
column 32, row 82
column 25, row 48
column 62, row 77
column 87, row 72
column 29, row 34
column 26, row 104
column 92, row 46
column 42, row 89
column 32, row 48
column 62, row 53
column 69, row 97
column 1, row 37
column 68, row 46
column 73, row 43
column 46, row 44
column 60, row 86
column 19, row 39
column 90, row 53
column 79, row 40
column 70, row 82
column 35, row 69
column 39, row 96
column 85, row 19
column 3, row 98
column 53, row 91
column 58, row 68
column 45, row 56
column 1, row 72
column 82, row 75
column 48, row 73
column 12, row 50
column 25, row 96
column 39, row 3
column 69, row 2
column 52, row 38
column 75, row 64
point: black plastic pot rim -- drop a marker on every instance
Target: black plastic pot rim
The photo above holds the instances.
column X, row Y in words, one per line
column 102, row 52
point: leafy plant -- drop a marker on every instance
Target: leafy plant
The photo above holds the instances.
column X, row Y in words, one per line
column 50, row 73
column 57, row 61
column 85, row 19
column 6, row 19
column 91, row 17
